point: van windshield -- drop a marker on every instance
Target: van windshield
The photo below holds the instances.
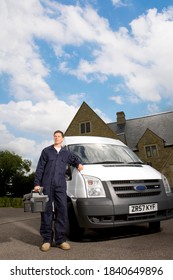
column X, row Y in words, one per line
column 104, row 153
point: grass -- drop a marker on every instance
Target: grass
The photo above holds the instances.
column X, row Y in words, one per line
column 15, row 202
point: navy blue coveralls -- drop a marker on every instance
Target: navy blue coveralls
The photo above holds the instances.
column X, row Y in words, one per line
column 50, row 174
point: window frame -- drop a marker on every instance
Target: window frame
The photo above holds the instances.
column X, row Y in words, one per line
column 85, row 127
column 151, row 151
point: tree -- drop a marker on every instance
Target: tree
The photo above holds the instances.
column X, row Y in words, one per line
column 23, row 184
column 12, row 166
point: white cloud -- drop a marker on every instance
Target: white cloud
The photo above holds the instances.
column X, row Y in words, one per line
column 37, row 121
column 103, row 116
column 141, row 64
column 118, row 99
column 19, row 56
column 23, row 147
column 40, row 118
column 115, row 2
column 26, row 148
column 153, row 108
column 35, row 110
column 75, row 99
column 119, row 3
column 144, row 64
column 142, row 57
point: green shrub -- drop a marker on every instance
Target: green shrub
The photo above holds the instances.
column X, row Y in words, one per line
column 15, row 202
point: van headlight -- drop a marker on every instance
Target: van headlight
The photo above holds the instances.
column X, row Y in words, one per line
column 94, row 187
column 166, row 184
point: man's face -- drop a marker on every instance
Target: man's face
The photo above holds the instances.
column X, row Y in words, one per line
column 58, row 139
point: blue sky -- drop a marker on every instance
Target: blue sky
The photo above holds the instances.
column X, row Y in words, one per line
column 116, row 55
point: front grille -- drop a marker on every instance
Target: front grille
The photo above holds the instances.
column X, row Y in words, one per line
column 121, row 182
column 126, row 189
column 137, row 194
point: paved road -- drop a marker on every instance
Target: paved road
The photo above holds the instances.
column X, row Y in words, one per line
column 20, row 240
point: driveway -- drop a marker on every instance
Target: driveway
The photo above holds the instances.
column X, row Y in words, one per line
column 20, row 240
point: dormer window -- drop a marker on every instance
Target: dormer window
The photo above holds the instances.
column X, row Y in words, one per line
column 85, row 127
column 151, row 151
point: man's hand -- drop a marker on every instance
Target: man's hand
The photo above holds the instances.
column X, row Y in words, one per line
column 80, row 167
column 37, row 188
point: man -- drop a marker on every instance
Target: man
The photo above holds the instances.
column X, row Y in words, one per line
column 50, row 174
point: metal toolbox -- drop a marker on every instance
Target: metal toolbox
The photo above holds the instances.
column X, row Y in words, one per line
column 35, row 202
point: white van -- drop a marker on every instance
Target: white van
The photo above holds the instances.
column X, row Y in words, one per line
column 115, row 188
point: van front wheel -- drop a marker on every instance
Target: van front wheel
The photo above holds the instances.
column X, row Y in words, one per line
column 74, row 231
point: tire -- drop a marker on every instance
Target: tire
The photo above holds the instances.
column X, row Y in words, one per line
column 154, row 226
column 74, row 231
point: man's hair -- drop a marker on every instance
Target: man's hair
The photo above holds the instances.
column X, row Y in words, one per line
column 59, row 131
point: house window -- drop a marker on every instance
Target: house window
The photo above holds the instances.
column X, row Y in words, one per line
column 151, row 151
column 85, row 127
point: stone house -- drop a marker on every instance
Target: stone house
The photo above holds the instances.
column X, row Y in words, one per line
column 150, row 137
column 87, row 122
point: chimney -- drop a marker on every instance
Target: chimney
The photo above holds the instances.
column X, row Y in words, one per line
column 121, row 118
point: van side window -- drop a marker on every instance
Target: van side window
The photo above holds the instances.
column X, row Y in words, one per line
column 85, row 127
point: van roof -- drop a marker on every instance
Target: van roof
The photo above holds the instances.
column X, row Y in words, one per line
column 91, row 139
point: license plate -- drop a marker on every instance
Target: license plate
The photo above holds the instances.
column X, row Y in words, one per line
column 142, row 208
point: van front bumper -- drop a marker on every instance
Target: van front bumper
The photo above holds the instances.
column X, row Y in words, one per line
column 101, row 213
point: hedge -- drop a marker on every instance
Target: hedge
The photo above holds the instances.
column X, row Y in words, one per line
column 15, row 202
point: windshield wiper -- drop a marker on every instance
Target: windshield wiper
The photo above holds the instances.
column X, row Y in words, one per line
column 107, row 162
column 135, row 162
